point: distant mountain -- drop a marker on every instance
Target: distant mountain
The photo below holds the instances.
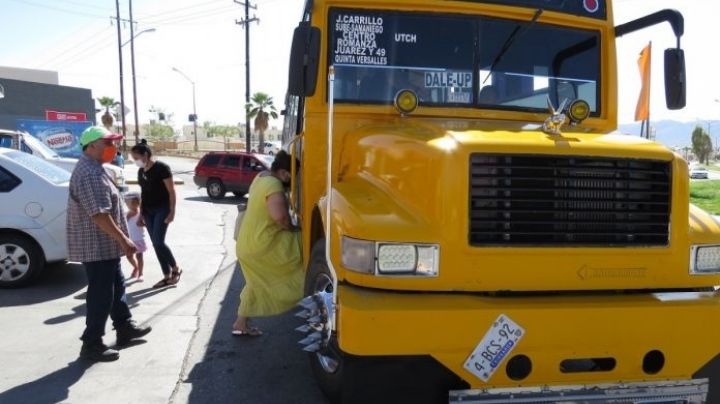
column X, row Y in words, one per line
column 674, row 133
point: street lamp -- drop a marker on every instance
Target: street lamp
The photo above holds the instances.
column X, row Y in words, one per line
column 194, row 114
column 136, row 132
column 138, row 34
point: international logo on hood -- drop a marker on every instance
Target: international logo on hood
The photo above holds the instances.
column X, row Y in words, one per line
column 591, row 6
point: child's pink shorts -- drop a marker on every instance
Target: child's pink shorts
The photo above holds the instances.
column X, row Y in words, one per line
column 141, row 247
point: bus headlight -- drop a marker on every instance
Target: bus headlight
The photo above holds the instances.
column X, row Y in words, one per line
column 407, row 259
column 386, row 258
column 705, row 260
column 358, row 255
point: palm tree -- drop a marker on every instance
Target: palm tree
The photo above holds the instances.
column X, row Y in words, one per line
column 262, row 109
column 107, row 118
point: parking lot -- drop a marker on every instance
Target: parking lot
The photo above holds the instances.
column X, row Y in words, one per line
column 189, row 357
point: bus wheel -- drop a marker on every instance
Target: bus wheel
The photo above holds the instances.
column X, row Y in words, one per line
column 328, row 362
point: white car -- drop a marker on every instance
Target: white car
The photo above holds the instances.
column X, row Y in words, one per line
column 33, row 205
column 271, row 148
column 29, row 144
column 699, row 173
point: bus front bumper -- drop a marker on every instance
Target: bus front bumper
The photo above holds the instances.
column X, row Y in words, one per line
column 669, row 392
column 619, row 329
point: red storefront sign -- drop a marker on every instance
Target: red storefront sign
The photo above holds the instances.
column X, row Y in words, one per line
column 65, row 116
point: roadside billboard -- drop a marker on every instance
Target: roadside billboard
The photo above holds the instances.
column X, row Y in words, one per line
column 61, row 136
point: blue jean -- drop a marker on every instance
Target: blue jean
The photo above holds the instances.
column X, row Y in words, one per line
column 157, row 228
column 105, row 297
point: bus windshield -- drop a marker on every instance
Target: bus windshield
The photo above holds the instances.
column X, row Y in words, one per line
column 447, row 59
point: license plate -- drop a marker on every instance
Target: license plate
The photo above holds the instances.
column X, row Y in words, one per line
column 497, row 344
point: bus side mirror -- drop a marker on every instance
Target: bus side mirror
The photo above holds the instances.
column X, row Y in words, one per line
column 304, row 58
column 675, row 85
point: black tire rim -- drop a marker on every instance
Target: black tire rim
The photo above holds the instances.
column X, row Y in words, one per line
column 215, row 189
column 328, row 360
column 14, row 262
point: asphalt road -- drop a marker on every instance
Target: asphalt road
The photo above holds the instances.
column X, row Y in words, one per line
column 190, row 357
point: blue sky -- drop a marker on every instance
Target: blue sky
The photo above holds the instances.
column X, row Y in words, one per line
column 200, row 37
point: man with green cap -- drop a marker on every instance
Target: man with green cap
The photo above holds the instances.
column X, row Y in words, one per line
column 97, row 236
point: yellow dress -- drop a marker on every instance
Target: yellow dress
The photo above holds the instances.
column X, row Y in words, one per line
column 270, row 257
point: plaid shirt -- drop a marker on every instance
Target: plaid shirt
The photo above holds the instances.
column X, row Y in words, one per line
column 92, row 192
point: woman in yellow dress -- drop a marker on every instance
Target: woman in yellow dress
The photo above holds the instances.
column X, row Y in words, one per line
column 268, row 249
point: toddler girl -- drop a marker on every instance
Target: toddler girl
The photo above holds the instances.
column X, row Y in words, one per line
column 136, row 233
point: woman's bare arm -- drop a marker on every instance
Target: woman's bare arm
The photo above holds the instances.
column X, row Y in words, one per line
column 278, row 209
column 171, row 192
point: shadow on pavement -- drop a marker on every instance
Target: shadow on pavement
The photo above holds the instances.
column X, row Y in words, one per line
column 51, row 388
column 267, row 369
column 80, row 310
column 56, row 281
column 136, row 296
column 228, row 200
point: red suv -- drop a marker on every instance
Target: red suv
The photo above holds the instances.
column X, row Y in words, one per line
column 220, row 172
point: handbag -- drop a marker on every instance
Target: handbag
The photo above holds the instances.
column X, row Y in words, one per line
column 238, row 220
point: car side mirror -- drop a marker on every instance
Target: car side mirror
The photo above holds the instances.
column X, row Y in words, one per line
column 258, row 168
column 675, row 85
column 304, row 58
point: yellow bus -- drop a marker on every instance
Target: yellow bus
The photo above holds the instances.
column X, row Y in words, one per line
column 475, row 229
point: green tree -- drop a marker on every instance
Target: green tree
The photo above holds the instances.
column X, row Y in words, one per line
column 154, row 131
column 261, row 108
column 206, row 127
column 223, row 130
column 702, row 145
column 107, row 117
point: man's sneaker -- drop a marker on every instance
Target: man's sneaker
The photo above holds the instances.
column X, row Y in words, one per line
column 98, row 352
column 130, row 331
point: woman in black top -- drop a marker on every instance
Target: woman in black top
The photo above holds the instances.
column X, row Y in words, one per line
column 157, row 208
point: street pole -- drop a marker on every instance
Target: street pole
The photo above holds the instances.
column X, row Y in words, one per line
column 132, row 63
column 175, row 69
column 194, row 118
column 122, row 83
column 246, row 24
column 247, row 77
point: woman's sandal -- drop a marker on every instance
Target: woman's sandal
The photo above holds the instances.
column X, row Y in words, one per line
column 250, row 332
column 163, row 283
column 175, row 276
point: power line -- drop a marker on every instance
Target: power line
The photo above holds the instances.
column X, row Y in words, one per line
column 69, row 58
column 88, row 5
column 189, row 20
column 94, row 39
column 45, row 6
column 190, row 17
column 173, row 11
column 81, row 56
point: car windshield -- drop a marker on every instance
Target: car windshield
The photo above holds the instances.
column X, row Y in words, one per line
column 447, row 60
column 36, row 145
column 44, row 169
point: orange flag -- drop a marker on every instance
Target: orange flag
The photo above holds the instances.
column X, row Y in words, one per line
column 642, row 111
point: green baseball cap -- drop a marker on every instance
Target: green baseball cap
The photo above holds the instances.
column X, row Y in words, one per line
column 94, row 133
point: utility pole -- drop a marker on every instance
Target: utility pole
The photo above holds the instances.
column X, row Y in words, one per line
column 122, row 83
column 132, row 63
column 246, row 24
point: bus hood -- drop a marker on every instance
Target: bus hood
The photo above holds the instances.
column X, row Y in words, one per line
column 407, row 181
